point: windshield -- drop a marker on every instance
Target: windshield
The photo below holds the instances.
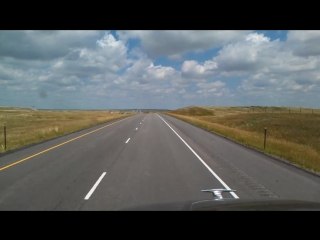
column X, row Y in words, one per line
column 110, row 120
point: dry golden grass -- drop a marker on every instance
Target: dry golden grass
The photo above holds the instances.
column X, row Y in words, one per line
column 294, row 137
column 27, row 126
column 222, row 111
column 194, row 111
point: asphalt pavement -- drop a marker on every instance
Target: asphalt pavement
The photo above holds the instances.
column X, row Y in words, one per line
column 140, row 160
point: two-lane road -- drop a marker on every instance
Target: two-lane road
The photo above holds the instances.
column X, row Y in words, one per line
column 143, row 159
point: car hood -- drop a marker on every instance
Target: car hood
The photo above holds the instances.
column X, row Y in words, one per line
column 232, row 205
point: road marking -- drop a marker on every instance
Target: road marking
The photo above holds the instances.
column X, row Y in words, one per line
column 128, row 140
column 94, row 186
column 27, row 158
column 140, row 123
column 210, row 170
column 136, row 129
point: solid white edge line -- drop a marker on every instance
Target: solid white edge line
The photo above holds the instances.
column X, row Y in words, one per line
column 203, row 162
column 94, row 186
column 128, row 140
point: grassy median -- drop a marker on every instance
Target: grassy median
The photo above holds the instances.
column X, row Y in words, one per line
column 26, row 126
column 291, row 135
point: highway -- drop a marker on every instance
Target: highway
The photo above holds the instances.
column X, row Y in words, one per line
column 143, row 159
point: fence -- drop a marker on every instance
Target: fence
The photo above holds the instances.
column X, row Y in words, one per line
column 275, row 110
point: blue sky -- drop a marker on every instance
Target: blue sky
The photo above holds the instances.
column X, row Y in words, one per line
column 159, row 69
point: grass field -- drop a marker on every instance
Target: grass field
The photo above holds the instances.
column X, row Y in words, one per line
column 25, row 126
column 291, row 135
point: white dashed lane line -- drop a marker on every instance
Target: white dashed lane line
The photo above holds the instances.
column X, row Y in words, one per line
column 94, row 186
